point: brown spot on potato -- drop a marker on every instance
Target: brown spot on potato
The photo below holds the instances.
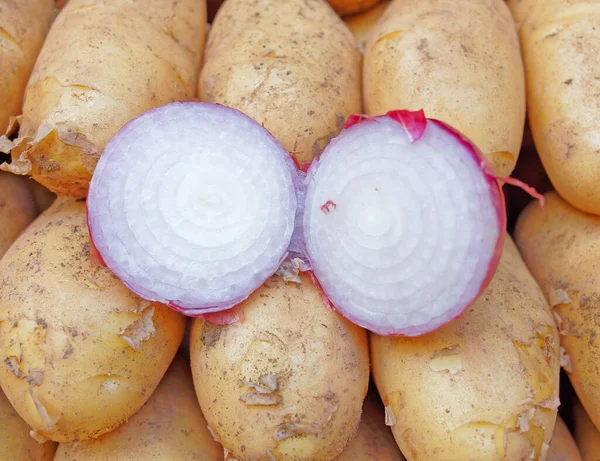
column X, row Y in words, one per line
column 210, row 334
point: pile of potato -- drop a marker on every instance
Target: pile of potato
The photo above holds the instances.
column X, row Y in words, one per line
column 90, row 371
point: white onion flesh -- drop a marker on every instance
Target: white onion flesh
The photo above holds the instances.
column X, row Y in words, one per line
column 401, row 236
column 193, row 205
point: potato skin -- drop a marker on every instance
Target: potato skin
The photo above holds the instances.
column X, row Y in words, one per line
column 560, row 244
column 17, row 209
column 344, row 7
column 286, row 382
column 169, row 426
column 559, row 39
column 23, row 27
column 81, row 353
column 374, row 440
column 457, row 394
column 15, row 442
column 586, row 434
column 292, row 66
column 362, row 24
column 461, row 64
column 78, row 97
column 562, row 445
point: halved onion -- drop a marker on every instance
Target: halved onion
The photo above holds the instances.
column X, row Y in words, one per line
column 193, row 205
column 403, row 223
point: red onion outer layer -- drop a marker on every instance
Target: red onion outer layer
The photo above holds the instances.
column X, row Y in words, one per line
column 193, row 205
column 403, row 223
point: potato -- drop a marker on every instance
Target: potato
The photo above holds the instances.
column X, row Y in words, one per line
column 81, row 353
column 361, row 24
column 104, row 63
column 483, row 387
column 459, row 62
column 559, row 39
column 560, row 244
column 285, row 383
column 292, row 66
column 586, row 435
column 169, row 426
column 562, row 445
column 374, row 440
column 17, row 209
column 352, row 6
column 15, row 442
column 23, row 27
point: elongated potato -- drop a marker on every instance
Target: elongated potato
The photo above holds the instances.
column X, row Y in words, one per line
column 362, row 24
column 460, row 62
column 559, row 40
column 483, row 387
column 561, row 246
column 104, row 63
column 17, row 209
column 15, row 442
column 562, row 445
column 23, row 27
column 586, row 435
column 344, row 7
column 80, row 352
column 374, row 440
column 292, row 66
column 169, row 426
column 287, row 382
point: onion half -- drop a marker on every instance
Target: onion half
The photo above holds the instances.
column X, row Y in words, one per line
column 403, row 223
column 193, row 205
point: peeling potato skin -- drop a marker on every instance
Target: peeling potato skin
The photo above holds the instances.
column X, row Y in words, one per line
column 86, row 96
column 15, row 442
column 374, row 440
column 291, row 65
column 509, row 365
column 560, row 244
column 559, row 41
column 170, row 426
column 461, row 65
column 562, row 445
column 310, row 363
column 362, row 24
column 17, row 209
column 64, row 366
column 343, row 7
column 23, row 27
column 586, row 434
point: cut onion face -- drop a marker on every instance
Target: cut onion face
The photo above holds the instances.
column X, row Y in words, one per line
column 193, row 205
column 403, row 223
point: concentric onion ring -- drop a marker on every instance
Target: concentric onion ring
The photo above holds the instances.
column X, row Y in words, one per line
column 403, row 225
column 193, row 205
